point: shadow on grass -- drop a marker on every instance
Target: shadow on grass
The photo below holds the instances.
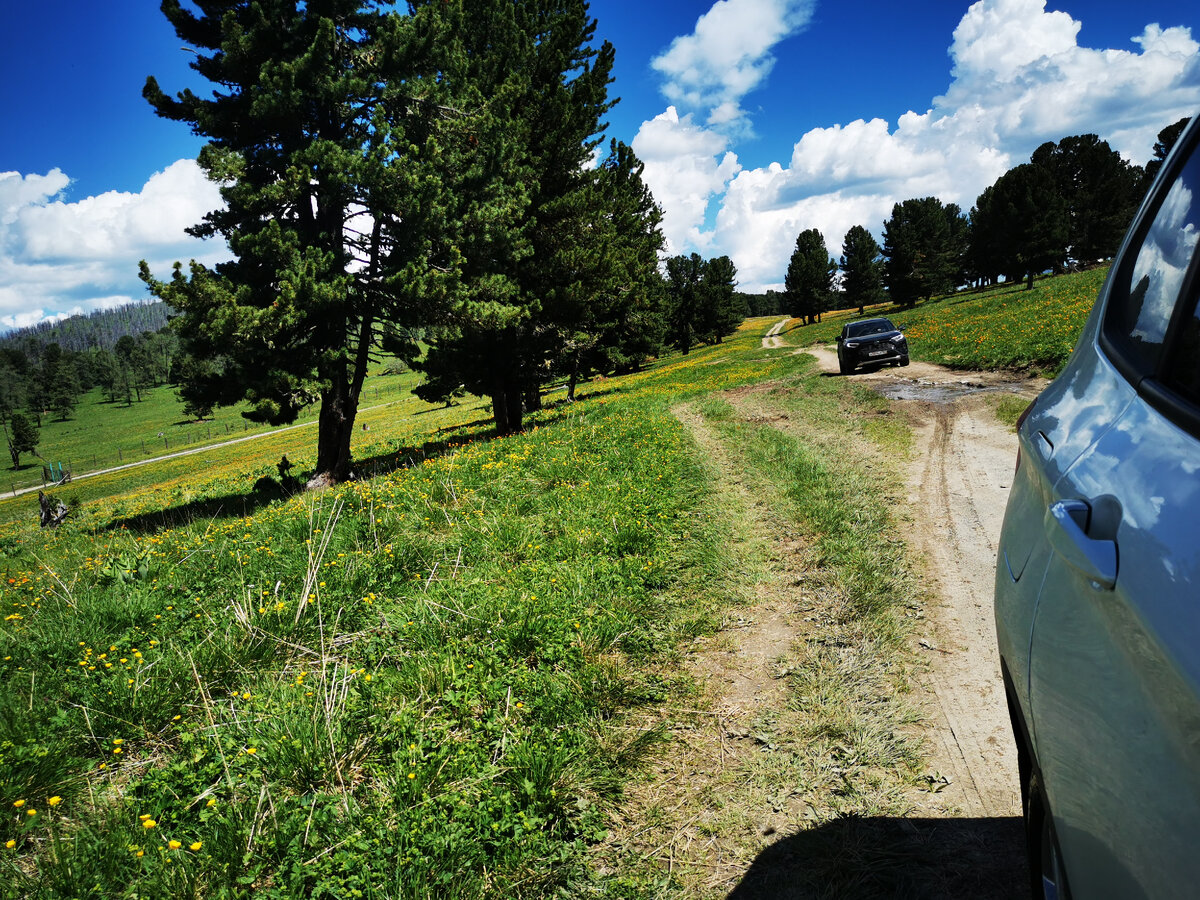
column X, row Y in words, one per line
column 268, row 489
column 890, row 857
column 264, row 492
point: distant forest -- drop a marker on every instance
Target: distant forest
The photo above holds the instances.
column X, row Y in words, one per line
column 99, row 330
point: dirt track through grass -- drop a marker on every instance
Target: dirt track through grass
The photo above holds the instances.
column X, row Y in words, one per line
column 816, row 762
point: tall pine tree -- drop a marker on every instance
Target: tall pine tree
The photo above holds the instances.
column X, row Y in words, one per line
column 321, row 137
column 534, row 73
column 862, row 268
column 809, row 279
column 923, row 256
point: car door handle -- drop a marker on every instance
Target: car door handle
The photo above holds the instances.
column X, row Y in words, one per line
column 1066, row 523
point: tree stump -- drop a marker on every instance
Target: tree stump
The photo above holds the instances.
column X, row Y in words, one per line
column 53, row 510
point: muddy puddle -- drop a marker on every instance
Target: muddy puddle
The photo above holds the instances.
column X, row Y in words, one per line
column 940, row 392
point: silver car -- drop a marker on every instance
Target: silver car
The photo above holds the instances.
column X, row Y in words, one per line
column 1098, row 575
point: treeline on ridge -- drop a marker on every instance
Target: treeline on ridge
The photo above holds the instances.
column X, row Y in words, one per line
column 1068, row 207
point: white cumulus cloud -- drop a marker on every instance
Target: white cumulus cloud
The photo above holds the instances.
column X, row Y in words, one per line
column 60, row 257
column 1018, row 78
column 686, row 165
column 729, row 53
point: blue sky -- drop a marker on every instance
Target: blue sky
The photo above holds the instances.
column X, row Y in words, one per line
column 756, row 119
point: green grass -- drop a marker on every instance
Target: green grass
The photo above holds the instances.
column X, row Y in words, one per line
column 1009, row 408
column 415, row 684
column 100, row 434
column 1005, row 327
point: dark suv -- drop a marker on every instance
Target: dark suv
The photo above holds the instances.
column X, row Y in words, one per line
column 1098, row 575
column 870, row 341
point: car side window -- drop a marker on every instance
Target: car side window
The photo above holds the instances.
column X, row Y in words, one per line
column 1182, row 373
column 1140, row 313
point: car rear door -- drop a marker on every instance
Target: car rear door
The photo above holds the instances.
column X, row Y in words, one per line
column 1114, row 656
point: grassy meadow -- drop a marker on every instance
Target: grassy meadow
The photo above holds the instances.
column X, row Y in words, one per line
column 443, row 679
column 101, row 434
column 412, row 685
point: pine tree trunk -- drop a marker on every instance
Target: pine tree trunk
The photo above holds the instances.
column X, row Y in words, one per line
column 515, row 412
column 335, row 427
column 506, row 406
column 574, row 379
column 500, row 411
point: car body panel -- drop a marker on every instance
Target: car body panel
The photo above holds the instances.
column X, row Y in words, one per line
column 1098, row 569
column 1121, row 759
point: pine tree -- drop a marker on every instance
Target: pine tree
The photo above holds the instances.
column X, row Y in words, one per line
column 685, row 295
column 322, row 137
column 1101, row 192
column 1032, row 219
column 862, row 268
column 539, row 91
column 922, row 258
column 1162, row 147
column 22, row 437
column 722, row 308
column 619, row 324
column 809, row 279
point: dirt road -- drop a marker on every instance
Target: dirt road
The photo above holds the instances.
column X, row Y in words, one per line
column 739, row 811
column 958, row 485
